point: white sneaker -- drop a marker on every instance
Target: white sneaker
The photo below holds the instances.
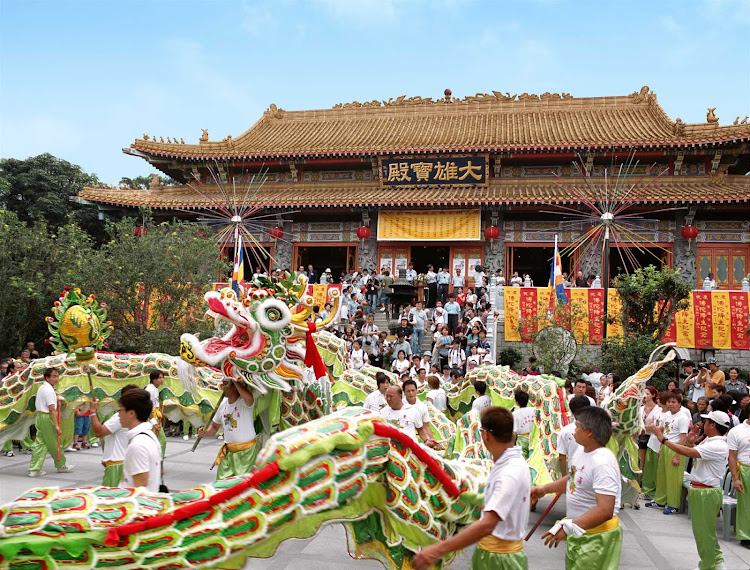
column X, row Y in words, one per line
column 186, row 437
column 66, row 468
column 382, row 309
column 9, row 454
column 219, row 437
column 95, row 444
column 39, row 473
column 70, row 449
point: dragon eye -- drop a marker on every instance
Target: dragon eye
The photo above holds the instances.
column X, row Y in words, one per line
column 273, row 314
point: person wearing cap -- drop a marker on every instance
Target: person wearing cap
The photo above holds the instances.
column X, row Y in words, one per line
column 236, row 415
column 401, row 344
column 712, row 377
column 426, row 361
column 326, row 277
column 738, row 441
column 705, row 494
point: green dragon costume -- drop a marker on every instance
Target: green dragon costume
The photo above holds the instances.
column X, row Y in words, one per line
column 348, row 466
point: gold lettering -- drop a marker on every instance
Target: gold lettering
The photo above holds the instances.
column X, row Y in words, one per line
column 468, row 170
column 422, row 170
column 447, row 171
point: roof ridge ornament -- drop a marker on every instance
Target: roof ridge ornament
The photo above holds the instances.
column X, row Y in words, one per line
column 710, row 117
column 495, row 96
column 645, row 95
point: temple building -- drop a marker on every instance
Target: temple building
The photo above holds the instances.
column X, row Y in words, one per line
column 483, row 180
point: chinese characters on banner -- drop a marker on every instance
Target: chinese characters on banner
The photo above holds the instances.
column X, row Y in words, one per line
column 614, row 307
column 704, row 329
column 714, row 318
column 454, row 170
column 322, row 293
column 512, row 313
column 528, row 311
column 596, row 316
column 411, row 225
column 739, row 307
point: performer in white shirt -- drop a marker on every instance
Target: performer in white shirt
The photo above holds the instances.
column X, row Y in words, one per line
column 501, row 529
column 375, row 401
column 593, row 489
column 115, row 442
column 523, row 421
column 671, row 465
column 142, row 467
column 705, row 494
column 436, row 395
column 408, row 419
column 566, row 441
column 156, row 381
column 482, row 400
column 48, row 429
column 411, row 401
column 739, row 465
column 236, row 415
column 579, row 389
column 358, row 356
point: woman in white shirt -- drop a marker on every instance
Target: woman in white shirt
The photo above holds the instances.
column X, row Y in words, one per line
column 436, row 396
column 358, row 356
column 401, row 364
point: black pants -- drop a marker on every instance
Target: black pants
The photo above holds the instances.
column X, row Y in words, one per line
column 431, row 295
column 442, row 291
column 452, row 323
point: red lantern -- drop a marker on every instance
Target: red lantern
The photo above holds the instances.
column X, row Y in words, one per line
column 363, row 232
column 277, row 232
column 492, row 232
column 141, row 231
column 689, row 232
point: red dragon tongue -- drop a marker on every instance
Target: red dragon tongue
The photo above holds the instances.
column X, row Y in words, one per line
column 217, row 306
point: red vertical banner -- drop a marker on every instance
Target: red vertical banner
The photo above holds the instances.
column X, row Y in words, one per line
column 596, row 316
column 739, row 307
column 528, row 313
column 704, row 330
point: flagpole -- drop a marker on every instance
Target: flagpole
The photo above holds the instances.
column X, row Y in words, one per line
column 605, row 279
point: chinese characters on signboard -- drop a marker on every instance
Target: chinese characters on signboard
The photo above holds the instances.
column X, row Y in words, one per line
column 454, row 170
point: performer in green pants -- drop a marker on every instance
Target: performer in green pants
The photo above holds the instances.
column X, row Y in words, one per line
column 115, row 442
column 671, row 465
column 157, row 379
column 739, row 465
column 593, row 489
column 48, row 429
column 236, row 414
column 499, row 533
column 705, row 495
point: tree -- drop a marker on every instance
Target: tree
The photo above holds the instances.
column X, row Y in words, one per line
column 154, row 283
column 40, row 188
column 35, row 265
column 650, row 299
column 142, row 182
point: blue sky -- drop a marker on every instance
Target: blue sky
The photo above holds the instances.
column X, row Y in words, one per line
column 83, row 79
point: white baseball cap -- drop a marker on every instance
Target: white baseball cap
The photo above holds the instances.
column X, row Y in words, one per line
column 718, row 417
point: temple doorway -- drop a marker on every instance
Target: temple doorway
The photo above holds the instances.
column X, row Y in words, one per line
column 424, row 255
column 338, row 258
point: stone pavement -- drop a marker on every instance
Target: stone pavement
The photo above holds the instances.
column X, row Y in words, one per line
column 651, row 539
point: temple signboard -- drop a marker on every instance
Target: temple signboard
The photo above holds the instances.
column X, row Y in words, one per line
column 434, row 171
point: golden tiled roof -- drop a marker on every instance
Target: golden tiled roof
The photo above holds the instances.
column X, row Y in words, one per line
column 724, row 188
column 510, row 123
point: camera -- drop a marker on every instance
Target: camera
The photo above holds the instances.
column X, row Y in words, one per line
column 702, row 365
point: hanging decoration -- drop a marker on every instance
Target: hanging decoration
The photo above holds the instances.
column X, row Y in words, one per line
column 363, row 232
column 277, row 232
column 689, row 233
column 492, row 233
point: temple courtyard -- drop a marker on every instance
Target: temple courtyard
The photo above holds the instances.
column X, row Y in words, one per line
column 651, row 539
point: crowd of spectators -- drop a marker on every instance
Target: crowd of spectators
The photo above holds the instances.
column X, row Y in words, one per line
column 452, row 317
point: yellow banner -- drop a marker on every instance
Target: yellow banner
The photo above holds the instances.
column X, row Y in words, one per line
column 721, row 319
column 453, row 225
column 685, row 326
column 542, row 307
column 614, row 306
column 579, row 298
column 512, row 313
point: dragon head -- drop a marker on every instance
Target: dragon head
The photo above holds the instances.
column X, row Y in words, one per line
column 264, row 321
